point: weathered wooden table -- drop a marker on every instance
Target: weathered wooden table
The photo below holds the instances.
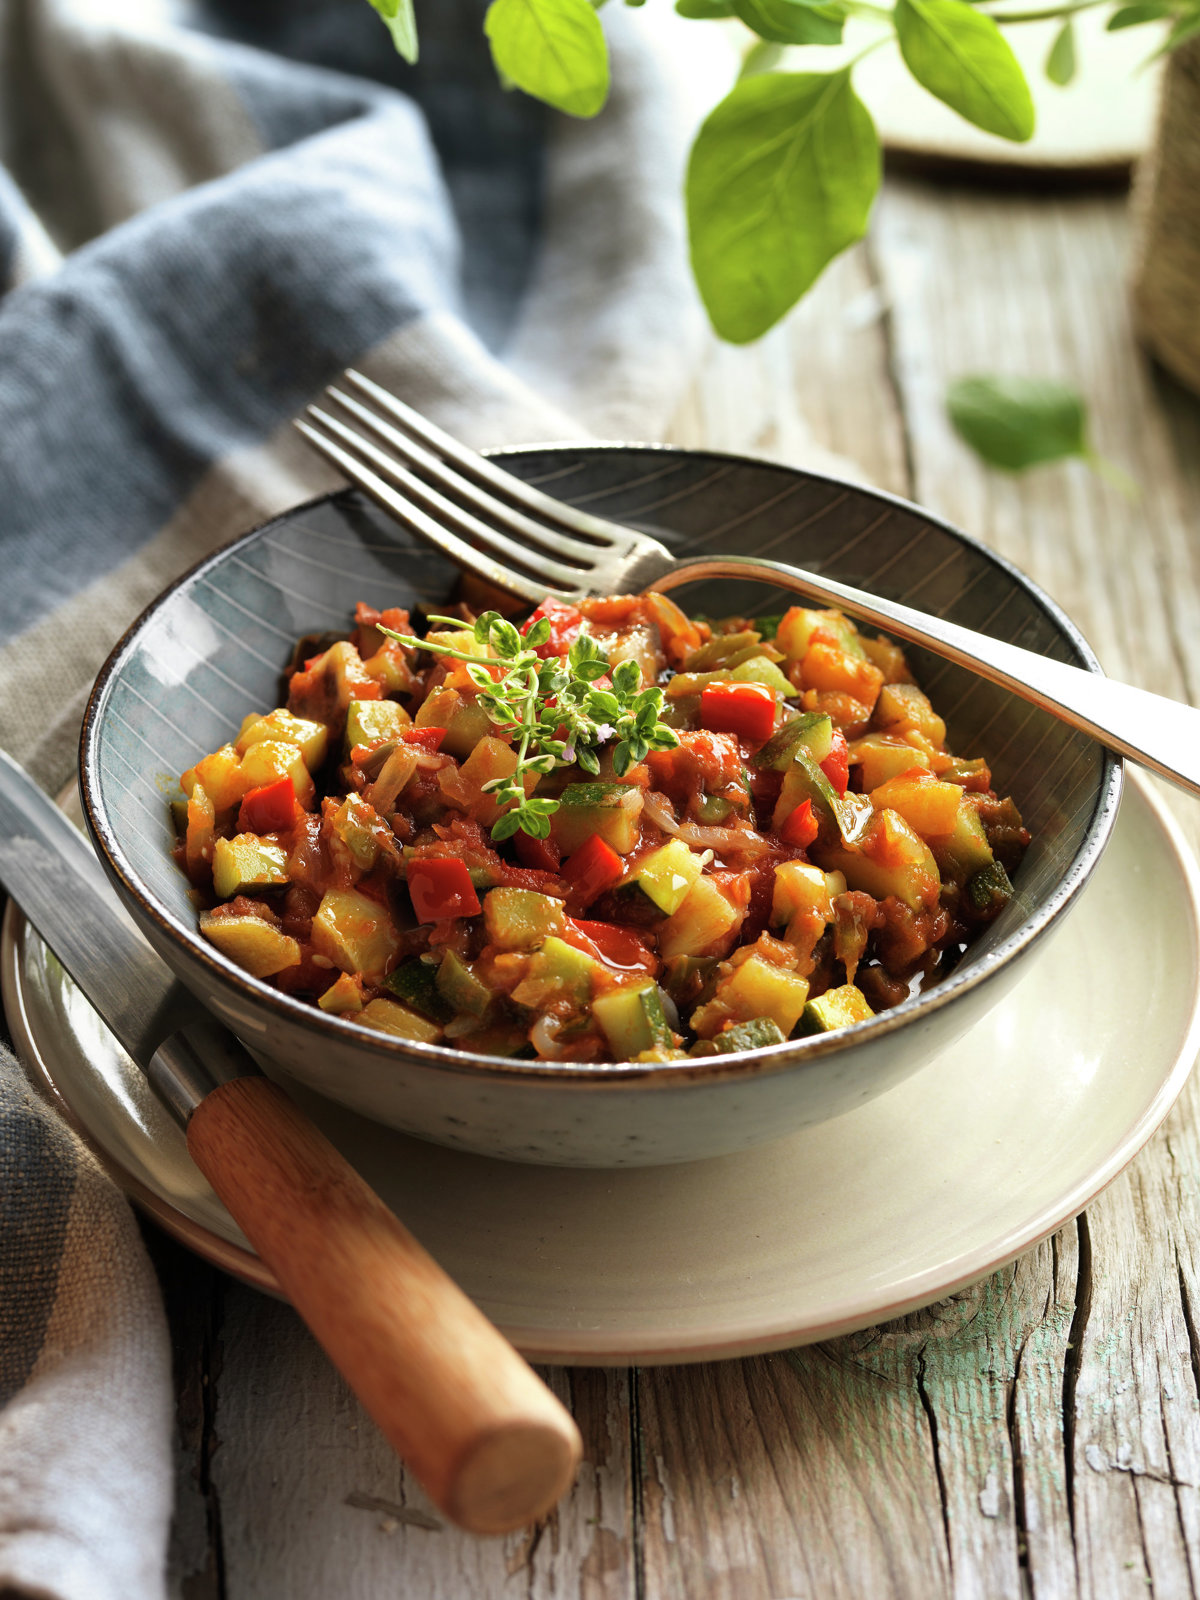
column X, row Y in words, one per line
column 1036, row 1435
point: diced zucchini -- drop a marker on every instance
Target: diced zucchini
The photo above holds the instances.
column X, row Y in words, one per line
column 268, row 760
column 247, row 862
column 667, row 874
column 281, row 727
column 258, row 946
column 965, row 850
column 704, row 919
column 490, row 759
column 990, row 890
column 389, row 1016
column 611, row 810
column 811, row 731
column 755, row 1035
column 797, row 627
column 461, row 639
column 415, row 982
column 461, row 988
column 719, row 650
column 558, row 969
column 927, row 805
column 759, row 669
column 838, row 816
column 889, row 859
column 355, row 932
column 467, row 726
column 521, row 919
column 903, row 705
column 369, row 722
column 633, row 1020
column 830, row 669
column 883, row 756
column 200, row 841
column 353, row 824
column 754, row 988
column 712, row 808
column 220, row 776
column 690, row 980
column 343, row 997
column 800, row 886
column 836, row 1008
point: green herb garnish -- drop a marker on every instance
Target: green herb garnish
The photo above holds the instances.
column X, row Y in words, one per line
column 557, row 715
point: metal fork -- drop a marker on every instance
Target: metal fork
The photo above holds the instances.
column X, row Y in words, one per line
column 525, row 542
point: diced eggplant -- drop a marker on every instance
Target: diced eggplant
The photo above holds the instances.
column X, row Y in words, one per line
column 389, row 1016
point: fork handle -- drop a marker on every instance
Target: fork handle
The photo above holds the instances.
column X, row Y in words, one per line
column 1158, row 733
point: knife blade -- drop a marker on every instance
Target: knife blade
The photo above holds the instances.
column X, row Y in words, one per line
column 490, row 1443
column 51, row 871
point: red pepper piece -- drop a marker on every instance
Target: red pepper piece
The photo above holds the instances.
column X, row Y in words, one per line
column 565, row 623
column 441, row 887
column 607, row 941
column 800, row 827
column 746, row 709
column 542, row 855
column 428, row 738
column 593, row 868
column 269, row 809
column 836, row 765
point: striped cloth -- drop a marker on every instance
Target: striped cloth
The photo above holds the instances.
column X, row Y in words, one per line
column 203, row 219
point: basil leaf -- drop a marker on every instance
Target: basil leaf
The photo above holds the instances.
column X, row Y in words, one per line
column 1134, row 16
column 1060, row 63
column 1015, row 423
column 703, row 10
column 553, row 49
column 780, row 180
column 792, row 21
column 401, row 24
column 961, row 56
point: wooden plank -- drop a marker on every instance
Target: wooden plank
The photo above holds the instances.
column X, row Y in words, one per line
column 1108, row 1432
column 313, row 1502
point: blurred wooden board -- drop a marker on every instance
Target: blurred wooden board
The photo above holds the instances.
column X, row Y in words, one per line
column 1100, row 122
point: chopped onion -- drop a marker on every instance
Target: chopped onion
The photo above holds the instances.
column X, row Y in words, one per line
column 658, row 808
column 725, row 839
column 543, row 1036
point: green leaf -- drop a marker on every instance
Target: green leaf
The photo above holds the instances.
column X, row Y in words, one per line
column 401, row 24
column 1135, row 15
column 961, row 56
column 1186, row 27
column 703, row 10
column 1060, row 63
column 1015, row 423
column 553, row 49
column 792, row 21
column 780, row 180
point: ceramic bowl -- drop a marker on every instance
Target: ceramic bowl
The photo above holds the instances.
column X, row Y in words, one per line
column 212, row 647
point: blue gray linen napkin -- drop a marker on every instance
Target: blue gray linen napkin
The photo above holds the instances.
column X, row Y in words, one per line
column 203, row 219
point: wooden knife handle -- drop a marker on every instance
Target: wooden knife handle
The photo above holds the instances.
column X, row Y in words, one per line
column 491, row 1445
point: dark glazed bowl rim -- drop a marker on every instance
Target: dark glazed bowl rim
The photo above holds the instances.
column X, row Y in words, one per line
column 596, row 1075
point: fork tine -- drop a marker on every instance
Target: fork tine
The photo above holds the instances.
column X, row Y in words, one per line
column 479, row 531
column 479, row 499
column 458, row 551
column 542, row 505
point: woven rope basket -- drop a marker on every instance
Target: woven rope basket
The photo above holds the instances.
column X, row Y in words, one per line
column 1166, row 282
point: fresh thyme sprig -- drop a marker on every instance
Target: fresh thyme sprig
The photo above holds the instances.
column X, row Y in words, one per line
column 555, row 711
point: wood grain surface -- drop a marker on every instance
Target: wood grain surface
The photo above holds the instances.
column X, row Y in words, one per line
column 1036, row 1436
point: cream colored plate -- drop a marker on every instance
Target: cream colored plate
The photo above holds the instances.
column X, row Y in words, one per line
column 985, row 1151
